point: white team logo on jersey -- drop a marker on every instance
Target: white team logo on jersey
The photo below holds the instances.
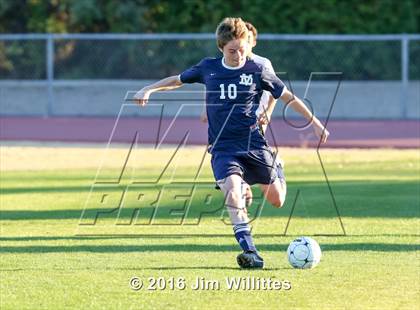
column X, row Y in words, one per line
column 245, row 79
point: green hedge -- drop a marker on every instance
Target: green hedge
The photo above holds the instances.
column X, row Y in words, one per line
column 280, row 16
column 155, row 59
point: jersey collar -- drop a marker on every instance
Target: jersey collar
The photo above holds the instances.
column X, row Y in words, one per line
column 231, row 68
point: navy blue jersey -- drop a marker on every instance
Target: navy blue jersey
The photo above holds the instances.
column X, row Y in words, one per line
column 232, row 98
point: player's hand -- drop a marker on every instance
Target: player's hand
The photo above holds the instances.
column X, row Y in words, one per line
column 264, row 119
column 142, row 96
column 203, row 117
column 321, row 132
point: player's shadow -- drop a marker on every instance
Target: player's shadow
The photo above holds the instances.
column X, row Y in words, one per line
column 205, row 267
column 44, row 189
column 109, row 237
column 179, row 236
column 189, row 247
column 368, row 199
column 154, row 268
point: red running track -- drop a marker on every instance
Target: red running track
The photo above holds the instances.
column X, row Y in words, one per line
column 361, row 133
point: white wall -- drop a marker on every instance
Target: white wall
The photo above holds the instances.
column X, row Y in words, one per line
column 355, row 99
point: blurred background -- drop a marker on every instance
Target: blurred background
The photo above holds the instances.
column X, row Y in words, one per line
column 67, row 68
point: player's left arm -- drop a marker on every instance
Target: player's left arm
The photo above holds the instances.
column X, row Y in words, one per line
column 290, row 99
column 276, row 87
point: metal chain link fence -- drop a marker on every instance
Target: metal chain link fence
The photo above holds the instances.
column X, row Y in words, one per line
column 39, row 65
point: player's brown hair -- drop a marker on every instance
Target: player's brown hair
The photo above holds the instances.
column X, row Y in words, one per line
column 231, row 28
column 252, row 28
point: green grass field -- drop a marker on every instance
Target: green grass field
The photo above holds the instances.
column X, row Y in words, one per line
column 172, row 225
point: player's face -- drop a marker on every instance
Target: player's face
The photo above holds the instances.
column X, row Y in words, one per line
column 235, row 52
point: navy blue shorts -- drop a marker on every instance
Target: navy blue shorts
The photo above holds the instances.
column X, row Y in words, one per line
column 255, row 167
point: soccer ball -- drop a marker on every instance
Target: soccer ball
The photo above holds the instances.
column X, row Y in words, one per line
column 304, row 253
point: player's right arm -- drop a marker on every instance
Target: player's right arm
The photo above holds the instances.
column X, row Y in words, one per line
column 191, row 75
column 203, row 115
column 172, row 82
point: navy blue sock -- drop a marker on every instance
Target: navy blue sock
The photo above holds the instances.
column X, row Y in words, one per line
column 243, row 236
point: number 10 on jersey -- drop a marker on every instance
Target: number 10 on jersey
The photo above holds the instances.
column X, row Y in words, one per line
column 231, row 91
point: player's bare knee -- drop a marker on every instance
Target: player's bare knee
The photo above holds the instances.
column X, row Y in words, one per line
column 233, row 198
column 277, row 199
column 280, row 196
column 277, row 202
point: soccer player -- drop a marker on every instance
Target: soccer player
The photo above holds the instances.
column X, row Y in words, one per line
column 267, row 102
column 240, row 154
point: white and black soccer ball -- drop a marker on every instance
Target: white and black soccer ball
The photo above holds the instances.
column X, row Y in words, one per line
column 304, row 253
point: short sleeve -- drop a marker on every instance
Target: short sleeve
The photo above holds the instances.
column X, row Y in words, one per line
column 269, row 66
column 193, row 74
column 270, row 82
